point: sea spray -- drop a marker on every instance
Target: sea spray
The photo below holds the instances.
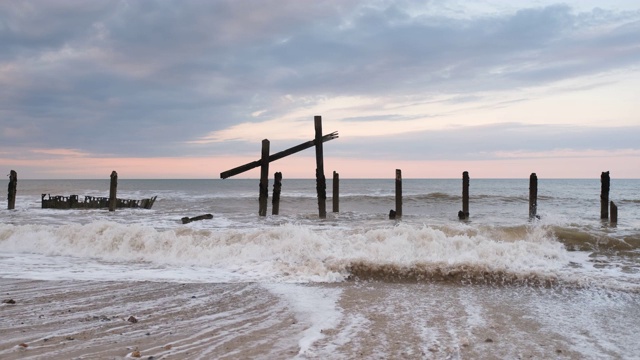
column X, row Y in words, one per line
column 298, row 253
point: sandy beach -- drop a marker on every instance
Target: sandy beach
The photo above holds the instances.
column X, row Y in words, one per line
column 368, row 320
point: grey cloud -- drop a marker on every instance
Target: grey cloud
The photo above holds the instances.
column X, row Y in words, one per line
column 152, row 75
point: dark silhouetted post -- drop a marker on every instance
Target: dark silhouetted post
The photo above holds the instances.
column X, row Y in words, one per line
column 277, row 186
column 113, row 190
column 264, row 178
column 533, row 195
column 398, row 213
column 604, row 195
column 13, row 188
column 321, row 182
column 614, row 213
column 336, row 192
column 464, row 213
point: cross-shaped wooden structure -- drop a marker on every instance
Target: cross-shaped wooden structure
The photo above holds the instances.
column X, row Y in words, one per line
column 321, row 184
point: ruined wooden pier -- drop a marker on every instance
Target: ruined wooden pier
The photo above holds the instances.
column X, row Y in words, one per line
column 92, row 202
column 265, row 159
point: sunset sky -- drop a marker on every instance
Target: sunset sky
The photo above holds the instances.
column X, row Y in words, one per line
column 188, row 89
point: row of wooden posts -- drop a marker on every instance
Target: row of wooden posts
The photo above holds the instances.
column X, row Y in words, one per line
column 319, row 139
column 608, row 209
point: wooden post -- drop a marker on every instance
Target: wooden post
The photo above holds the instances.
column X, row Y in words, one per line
column 264, row 178
column 604, row 195
column 113, row 190
column 398, row 213
column 13, row 186
column 464, row 213
column 533, row 196
column 321, row 182
column 277, row 186
column 336, row 192
column 614, row 213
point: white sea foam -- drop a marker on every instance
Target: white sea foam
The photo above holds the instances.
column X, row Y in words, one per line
column 292, row 253
column 316, row 306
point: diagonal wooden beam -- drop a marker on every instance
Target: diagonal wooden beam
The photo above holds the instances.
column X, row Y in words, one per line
column 276, row 156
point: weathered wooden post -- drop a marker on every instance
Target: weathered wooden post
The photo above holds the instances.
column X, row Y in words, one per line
column 464, row 213
column 614, row 213
column 533, row 196
column 264, row 178
column 398, row 213
column 321, row 182
column 604, row 195
column 336, row 192
column 113, row 190
column 277, row 187
column 13, row 188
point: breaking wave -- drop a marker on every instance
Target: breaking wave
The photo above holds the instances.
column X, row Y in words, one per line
column 519, row 255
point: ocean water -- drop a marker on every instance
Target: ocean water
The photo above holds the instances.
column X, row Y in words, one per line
column 498, row 252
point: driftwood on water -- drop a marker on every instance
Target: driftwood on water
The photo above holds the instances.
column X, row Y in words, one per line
column 186, row 219
column 92, row 202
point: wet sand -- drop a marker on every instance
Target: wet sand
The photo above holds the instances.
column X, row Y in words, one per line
column 368, row 320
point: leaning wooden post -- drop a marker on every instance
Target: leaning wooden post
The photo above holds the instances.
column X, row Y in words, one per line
column 13, row 186
column 277, row 187
column 604, row 195
column 533, row 195
column 398, row 193
column 336, row 192
column 264, row 178
column 321, row 182
column 112, row 191
column 614, row 213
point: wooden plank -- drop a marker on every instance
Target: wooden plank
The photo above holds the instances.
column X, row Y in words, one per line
column 321, row 182
column 264, row 178
column 336, row 192
column 13, row 189
column 398, row 213
column 464, row 213
column 277, row 187
column 112, row 191
column 533, row 196
column 277, row 156
column 605, row 181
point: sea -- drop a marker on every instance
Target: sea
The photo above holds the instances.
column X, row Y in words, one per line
column 565, row 284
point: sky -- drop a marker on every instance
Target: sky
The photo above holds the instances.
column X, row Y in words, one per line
column 188, row 89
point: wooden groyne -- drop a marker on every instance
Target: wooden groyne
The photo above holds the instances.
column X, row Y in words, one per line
column 92, row 202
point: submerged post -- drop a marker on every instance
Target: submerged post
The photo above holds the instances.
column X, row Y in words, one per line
column 464, row 213
column 264, row 178
column 321, row 182
column 604, row 195
column 336, row 192
column 614, row 213
column 112, row 191
column 277, row 186
column 13, row 186
column 533, row 196
column 398, row 213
